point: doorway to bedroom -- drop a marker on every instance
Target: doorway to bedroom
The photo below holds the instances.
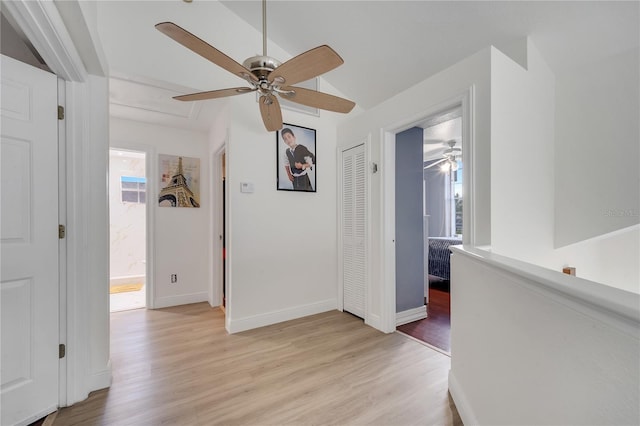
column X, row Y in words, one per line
column 442, row 205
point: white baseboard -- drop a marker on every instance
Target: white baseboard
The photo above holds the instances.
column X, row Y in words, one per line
column 101, row 379
column 374, row 321
column 274, row 317
column 462, row 404
column 411, row 315
column 182, row 299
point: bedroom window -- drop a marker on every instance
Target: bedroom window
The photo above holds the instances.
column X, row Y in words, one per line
column 133, row 189
column 457, row 200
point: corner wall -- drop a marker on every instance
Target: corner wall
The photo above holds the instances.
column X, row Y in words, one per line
column 598, row 148
column 522, row 162
column 180, row 235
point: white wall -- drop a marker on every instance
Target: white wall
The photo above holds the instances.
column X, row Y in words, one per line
column 551, row 178
column 597, row 148
column 401, row 112
column 522, row 162
column 180, row 235
column 612, row 259
column 552, row 349
column 281, row 244
column 127, row 222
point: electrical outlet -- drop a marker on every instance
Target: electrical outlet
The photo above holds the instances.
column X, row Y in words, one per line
column 174, row 278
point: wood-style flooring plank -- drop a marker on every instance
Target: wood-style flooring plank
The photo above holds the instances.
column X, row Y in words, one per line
column 178, row 366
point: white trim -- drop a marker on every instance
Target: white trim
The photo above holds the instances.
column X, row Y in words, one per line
column 62, row 250
column 42, row 24
column 388, row 138
column 77, row 258
column 469, row 227
column 101, row 379
column 39, row 415
column 215, row 289
column 388, row 244
column 340, row 251
column 274, row 317
column 467, row 415
column 183, row 299
column 368, row 294
column 374, row 321
column 411, row 315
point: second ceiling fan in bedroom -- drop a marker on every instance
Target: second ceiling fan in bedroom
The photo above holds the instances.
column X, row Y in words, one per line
column 266, row 75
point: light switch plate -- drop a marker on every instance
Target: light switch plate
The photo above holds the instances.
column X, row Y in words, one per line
column 246, row 187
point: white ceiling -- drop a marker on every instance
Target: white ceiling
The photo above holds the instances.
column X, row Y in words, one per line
column 388, row 46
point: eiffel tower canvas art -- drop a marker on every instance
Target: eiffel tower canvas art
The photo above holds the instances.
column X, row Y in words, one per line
column 179, row 181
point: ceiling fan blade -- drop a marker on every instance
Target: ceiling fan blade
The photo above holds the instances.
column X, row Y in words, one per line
column 309, row 64
column 271, row 113
column 316, row 99
column 204, row 49
column 214, row 94
column 435, row 163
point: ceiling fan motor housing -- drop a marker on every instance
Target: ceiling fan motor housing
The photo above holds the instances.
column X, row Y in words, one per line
column 261, row 66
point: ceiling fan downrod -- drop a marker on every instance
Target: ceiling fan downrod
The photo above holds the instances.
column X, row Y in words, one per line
column 264, row 27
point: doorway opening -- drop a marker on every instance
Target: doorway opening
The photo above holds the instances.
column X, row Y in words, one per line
column 127, row 229
column 442, row 198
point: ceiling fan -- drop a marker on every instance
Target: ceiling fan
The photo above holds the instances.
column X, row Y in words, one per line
column 448, row 162
column 266, row 75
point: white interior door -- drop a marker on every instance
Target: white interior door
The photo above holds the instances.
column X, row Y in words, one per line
column 29, row 243
column 353, row 230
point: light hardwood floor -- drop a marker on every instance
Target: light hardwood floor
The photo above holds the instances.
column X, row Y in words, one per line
column 178, row 366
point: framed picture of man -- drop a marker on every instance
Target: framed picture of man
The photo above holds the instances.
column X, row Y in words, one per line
column 296, row 152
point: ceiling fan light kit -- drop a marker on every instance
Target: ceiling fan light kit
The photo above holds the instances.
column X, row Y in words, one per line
column 266, row 75
column 448, row 162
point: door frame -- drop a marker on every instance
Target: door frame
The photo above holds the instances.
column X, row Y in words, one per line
column 217, row 283
column 84, row 312
column 388, row 136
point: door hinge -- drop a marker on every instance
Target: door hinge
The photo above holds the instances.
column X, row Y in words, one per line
column 62, row 231
column 60, row 112
column 62, row 350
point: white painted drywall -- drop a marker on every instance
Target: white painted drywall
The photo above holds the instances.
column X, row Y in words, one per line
column 522, row 163
column 127, row 222
column 612, row 259
column 134, row 46
column 403, row 111
column 597, row 188
column 530, row 168
column 281, row 244
column 524, row 353
column 180, row 235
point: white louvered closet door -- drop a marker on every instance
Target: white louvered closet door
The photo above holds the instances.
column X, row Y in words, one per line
column 353, row 230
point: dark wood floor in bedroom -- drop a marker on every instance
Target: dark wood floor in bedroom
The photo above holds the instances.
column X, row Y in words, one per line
column 436, row 329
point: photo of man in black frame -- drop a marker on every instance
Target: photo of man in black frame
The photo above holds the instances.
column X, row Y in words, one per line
column 296, row 159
